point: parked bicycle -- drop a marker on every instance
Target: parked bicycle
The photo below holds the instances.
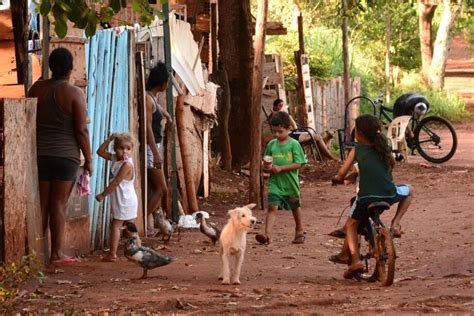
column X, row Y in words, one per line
column 434, row 138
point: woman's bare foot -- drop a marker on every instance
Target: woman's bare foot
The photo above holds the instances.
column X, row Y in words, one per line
column 109, row 258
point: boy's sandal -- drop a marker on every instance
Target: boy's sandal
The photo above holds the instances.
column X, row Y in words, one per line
column 299, row 239
column 338, row 259
column 262, row 239
column 338, row 233
column 396, row 232
column 353, row 269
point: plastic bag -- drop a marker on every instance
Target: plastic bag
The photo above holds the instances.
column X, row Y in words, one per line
column 83, row 185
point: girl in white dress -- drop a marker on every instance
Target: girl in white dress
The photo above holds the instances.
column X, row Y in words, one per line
column 123, row 198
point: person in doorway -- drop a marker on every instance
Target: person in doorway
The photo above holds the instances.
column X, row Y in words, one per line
column 301, row 136
column 61, row 134
column 157, row 82
column 123, row 197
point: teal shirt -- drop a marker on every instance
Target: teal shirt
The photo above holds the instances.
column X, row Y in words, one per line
column 375, row 178
column 285, row 183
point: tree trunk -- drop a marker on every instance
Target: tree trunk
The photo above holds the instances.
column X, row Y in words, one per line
column 387, row 56
column 236, row 57
column 345, row 60
column 20, row 21
column 186, row 155
column 255, row 123
column 443, row 43
column 425, row 17
column 223, row 113
column 303, row 109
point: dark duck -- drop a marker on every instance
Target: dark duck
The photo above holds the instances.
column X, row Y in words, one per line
column 166, row 226
column 210, row 230
column 145, row 257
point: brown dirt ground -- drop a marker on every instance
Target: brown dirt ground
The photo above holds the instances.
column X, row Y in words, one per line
column 434, row 269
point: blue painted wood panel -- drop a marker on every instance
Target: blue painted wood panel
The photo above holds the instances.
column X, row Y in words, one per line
column 108, row 110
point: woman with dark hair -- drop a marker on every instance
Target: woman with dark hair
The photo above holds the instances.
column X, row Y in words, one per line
column 61, row 134
column 157, row 82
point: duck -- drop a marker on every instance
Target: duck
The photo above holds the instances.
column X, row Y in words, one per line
column 210, row 230
column 145, row 257
column 166, row 226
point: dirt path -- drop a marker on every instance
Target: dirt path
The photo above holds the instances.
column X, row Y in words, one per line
column 434, row 269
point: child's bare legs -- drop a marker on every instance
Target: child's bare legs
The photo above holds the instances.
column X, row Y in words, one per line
column 114, row 239
column 352, row 240
column 319, row 142
column 401, row 210
column 298, row 222
column 270, row 220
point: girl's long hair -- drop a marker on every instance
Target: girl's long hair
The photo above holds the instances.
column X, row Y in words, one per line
column 371, row 128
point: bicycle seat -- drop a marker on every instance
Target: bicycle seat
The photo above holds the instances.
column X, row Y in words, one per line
column 378, row 206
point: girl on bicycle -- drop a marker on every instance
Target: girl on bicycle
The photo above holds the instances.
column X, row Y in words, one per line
column 375, row 163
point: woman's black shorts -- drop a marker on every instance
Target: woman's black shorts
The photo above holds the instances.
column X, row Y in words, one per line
column 57, row 168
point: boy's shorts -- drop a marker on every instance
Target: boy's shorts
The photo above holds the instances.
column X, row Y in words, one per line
column 284, row 201
column 358, row 210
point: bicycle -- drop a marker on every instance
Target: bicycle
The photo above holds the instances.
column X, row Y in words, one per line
column 434, row 138
column 378, row 250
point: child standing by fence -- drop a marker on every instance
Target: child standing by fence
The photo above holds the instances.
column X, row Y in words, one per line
column 124, row 201
column 283, row 186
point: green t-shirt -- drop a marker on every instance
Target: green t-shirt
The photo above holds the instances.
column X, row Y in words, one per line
column 375, row 178
column 285, row 183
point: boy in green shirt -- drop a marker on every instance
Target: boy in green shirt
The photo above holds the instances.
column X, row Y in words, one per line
column 284, row 185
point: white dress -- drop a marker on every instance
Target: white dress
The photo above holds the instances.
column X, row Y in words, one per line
column 123, row 200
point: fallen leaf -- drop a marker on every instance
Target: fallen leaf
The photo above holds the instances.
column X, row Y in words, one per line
column 63, row 282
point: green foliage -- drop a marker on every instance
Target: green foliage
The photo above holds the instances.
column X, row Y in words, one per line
column 87, row 14
column 12, row 275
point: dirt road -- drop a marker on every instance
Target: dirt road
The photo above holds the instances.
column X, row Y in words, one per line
column 434, row 269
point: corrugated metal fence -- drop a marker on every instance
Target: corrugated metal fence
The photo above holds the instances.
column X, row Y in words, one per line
column 108, row 111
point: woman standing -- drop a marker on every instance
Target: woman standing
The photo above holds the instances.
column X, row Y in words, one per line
column 157, row 82
column 61, row 134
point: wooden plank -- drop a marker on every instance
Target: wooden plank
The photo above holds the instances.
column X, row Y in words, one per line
column 76, row 242
column 181, row 182
column 15, row 178
column 141, row 106
column 135, row 132
column 205, row 161
column 33, row 215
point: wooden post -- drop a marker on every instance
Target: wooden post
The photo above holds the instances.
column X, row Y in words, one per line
column 45, row 48
column 255, row 123
column 186, row 154
column 345, row 57
column 141, row 104
column 214, row 37
column 170, row 108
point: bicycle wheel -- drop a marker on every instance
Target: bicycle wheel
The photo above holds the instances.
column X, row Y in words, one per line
column 385, row 256
column 368, row 250
column 435, row 139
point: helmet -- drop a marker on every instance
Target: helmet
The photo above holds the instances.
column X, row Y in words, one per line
column 420, row 109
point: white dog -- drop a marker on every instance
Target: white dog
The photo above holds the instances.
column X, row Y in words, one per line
column 233, row 241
